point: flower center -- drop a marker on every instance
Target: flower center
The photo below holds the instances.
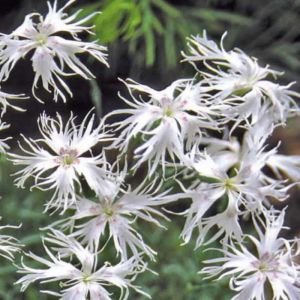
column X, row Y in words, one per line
column 168, row 112
column 267, row 263
column 86, row 278
column 229, row 184
column 166, row 104
column 108, row 212
column 67, row 157
column 41, row 39
column 263, row 266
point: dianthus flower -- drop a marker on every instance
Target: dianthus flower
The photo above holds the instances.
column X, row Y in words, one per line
column 51, row 52
column 81, row 279
column 240, row 181
column 273, row 262
column 118, row 213
column 61, row 156
column 241, row 82
column 171, row 121
column 242, row 189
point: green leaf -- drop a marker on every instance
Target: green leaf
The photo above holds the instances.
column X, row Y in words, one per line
column 132, row 22
column 107, row 24
column 167, row 8
column 148, row 34
column 31, row 239
column 96, row 96
column 170, row 44
column 218, row 15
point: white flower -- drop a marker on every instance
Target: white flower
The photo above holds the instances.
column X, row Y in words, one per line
column 8, row 244
column 228, row 153
column 243, row 179
column 243, row 187
column 83, row 279
column 226, row 221
column 273, row 262
column 52, row 53
column 170, row 121
column 61, row 156
column 243, row 71
column 241, row 82
column 118, row 213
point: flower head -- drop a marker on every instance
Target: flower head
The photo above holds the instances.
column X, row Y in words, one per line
column 239, row 183
column 241, row 82
column 83, row 278
column 51, row 52
column 273, row 263
column 171, row 121
column 61, row 156
column 118, row 212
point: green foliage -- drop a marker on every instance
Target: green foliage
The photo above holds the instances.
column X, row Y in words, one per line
column 20, row 207
column 153, row 32
column 154, row 25
column 178, row 268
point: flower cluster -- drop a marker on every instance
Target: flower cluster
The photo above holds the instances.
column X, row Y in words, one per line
column 207, row 135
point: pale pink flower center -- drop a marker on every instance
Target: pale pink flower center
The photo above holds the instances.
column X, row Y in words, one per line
column 267, row 263
column 67, row 157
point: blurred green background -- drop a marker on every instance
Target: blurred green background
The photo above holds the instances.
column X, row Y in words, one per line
column 145, row 38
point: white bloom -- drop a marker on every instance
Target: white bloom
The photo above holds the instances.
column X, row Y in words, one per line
column 243, row 187
column 272, row 263
column 61, row 156
column 118, row 213
column 228, row 153
column 170, row 121
column 241, row 82
column 52, row 53
column 83, row 280
column 227, row 221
